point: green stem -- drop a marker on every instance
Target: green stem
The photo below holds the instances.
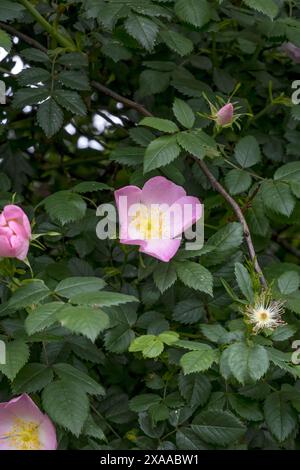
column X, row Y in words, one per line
column 62, row 40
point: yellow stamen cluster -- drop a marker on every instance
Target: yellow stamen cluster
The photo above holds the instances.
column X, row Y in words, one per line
column 24, row 435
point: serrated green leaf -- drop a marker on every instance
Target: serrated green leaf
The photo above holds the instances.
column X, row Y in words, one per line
column 183, row 113
column 85, row 320
column 188, row 311
column 74, row 80
column 102, row 299
column 50, row 117
column 195, row 12
column 177, row 42
column 150, row 345
column 67, row 404
column 29, row 96
column 5, row 40
column 90, row 186
column 11, row 10
column 17, row 354
column 267, row 7
column 197, row 361
column 280, row 417
column 42, row 317
column 142, row 29
column 65, row 206
column 71, row 101
column 247, row 362
column 30, row 293
column 244, row 281
column 72, row 374
column 32, row 378
column 79, row 285
column 277, row 196
column 164, row 276
column 143, row 402
column 163, row 125
column 289, row 282
column 247, row 152
column 218, row 427
column 237, row 181
column 195, row 276
column 195, row 388
column 160, row 152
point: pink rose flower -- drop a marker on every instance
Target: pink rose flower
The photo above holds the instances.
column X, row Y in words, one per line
column 156, row 216
column 24, row 427
column 15, row 233
column 225, row 115
column 292, row 51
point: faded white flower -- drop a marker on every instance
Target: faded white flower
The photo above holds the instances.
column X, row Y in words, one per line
column 265, row 312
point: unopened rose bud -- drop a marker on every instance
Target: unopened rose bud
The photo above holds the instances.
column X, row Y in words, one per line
column 225, row 115
column 292, row 51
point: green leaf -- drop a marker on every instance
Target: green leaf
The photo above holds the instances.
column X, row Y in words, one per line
column 247, row 362
column 160, row 152
column 289, row 282
column 195, row 12
column 197, row 361
column 218, row 427
column 169, row 337
column 11, row 10
column 290, row 172
column 177, row 42
column 71, row 101
column 67, row 404
column 50, row 117
column 164, row 276
column 102, row 299
column 237, row 181
column 118, row 339
column 150, row 345
column 195, row 276
column 195, row 388
column 32, row 378
column 186, row 439
column 280, row 417
column 65, row 207
column 29, row 96
column 79, row 285
column 227, row 238
column 143, row 402
column 163, row 125
column 87, row 321
column 33, row 76
column 75, row 80
column 35, row 55
column 42, row 317
column 188, row 311
column 183, row 113
column 30, row 293
column 92, row 429
column 244, row 281
column 245, row 408
column 90, row 187
column 131, row 156
column 267, row 7
column 196, row 143
column 17, row 354
column 72, row 374
column 277, row 196
column 5, row 40
column 247, row 152
column 142, row 29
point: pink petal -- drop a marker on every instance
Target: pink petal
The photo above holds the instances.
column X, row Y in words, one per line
column 47, row 434
column 23, row 407
column 17, row 228
column 125, row 198
column 163, row 250
column 225, row 115
column 183, row 214
column 20, row 247
column 6, row 250
column 160, row 190
column 13, row 212
column 292, row 51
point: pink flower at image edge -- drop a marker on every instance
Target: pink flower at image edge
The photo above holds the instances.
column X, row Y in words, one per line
column 225, row 115
column 15, row 233
column 24, row 427
column 292, row 51
column 157, row 191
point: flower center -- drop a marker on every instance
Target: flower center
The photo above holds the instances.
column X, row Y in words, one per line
column 150, row 223
column 263, row 316
column 24, row 435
